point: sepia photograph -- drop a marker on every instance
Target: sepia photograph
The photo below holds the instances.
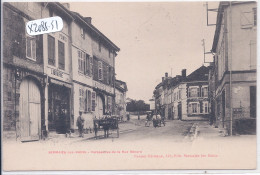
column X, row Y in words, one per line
column 129, row 86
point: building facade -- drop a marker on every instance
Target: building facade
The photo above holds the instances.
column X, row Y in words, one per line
column 234, row 67
column 120, row 101
column 48, row 79
column 187, row 96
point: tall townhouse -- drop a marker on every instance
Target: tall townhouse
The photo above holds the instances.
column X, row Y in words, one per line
column 84, row 98
column 93, row 72
column 57, row 67
column 234, row 64
column 24, row 81
column 104, row 53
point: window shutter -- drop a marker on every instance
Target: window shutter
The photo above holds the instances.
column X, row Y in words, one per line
column 86, row 101
column 89, row 101
column 246, row 19
column 93, row 101
column 189, row 109
column 61, row 52
column 91, row 66
column 39, row 48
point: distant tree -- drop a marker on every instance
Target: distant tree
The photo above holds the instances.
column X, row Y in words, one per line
column 137, row 106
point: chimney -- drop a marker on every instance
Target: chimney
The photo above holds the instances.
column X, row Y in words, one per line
column 183, row 73
column 162, row 79
column 166, row 75
column 66, row 5
column 88, row 19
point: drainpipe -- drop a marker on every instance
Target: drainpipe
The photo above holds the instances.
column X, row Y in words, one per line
column 230, row 72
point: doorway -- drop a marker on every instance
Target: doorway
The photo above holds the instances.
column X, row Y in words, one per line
column 100, row 107
column 30, row 110
column 179, row 112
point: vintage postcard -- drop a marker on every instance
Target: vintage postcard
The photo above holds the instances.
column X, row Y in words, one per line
column 129, row 85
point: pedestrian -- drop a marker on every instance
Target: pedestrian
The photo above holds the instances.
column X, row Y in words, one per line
column 80, row 124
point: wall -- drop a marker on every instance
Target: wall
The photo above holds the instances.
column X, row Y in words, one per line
column 242, row 36
column 88, row 116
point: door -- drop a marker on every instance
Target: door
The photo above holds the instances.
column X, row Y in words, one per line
column 179, row 111
column 253, row 101
column 30, row 110
column 99, row 106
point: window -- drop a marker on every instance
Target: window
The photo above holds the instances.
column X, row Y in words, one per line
column 87, row 65
column 206, row 107
column 51, row 50
column 93, row 101
column 81, row 61
column 100, row 70
column 81, row 99
column 194, row 108
column 204, row 91
column 31, row 47
column 179, row 94
column 194, row 92
column 255, row 16
column 82, row 33
column 61, row 57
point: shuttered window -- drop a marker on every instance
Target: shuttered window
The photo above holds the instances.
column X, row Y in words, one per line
column 89, row 101
column 51, row 50
column 81, row 61
column 61, row 51
column 255, row 16
column 31, row 47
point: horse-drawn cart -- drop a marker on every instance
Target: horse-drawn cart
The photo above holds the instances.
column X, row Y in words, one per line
column 106, row 124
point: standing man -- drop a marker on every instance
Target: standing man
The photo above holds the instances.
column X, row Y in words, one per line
column 80, row 124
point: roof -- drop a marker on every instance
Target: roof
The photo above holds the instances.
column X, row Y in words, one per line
column 121, row 85
column 201, row 74
column 95, row 30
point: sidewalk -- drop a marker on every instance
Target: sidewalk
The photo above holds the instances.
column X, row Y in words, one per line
column 206, row 133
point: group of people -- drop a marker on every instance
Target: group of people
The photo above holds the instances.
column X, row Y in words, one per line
column 81, row 121
column 154, row 117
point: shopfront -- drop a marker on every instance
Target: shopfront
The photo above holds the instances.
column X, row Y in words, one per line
column 59, row 107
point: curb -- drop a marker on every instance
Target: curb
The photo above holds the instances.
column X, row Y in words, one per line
column 193, row 132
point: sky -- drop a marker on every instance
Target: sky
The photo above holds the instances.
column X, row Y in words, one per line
column 153, row 38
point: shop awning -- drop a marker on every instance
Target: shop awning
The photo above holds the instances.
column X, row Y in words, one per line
column 61, row 83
